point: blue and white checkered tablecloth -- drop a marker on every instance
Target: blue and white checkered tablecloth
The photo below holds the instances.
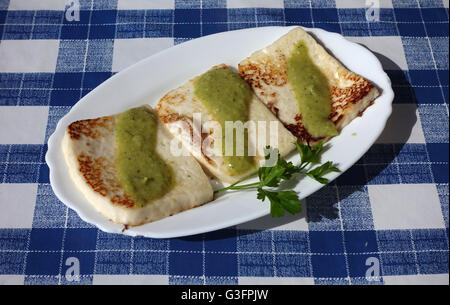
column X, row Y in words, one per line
column 390, row 210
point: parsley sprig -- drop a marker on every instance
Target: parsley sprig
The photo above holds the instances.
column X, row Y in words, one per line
column 272, row 176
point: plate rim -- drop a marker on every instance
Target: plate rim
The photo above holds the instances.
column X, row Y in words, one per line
column 53, row 147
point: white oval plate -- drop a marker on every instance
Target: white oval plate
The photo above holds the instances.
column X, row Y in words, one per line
column 149, row 79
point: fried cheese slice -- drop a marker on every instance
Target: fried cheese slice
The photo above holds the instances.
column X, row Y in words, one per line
column 179, row 108
column 266, row 71
column 90, row 151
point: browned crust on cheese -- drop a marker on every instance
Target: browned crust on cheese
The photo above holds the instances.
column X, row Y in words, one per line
column 123, row 201
column 169, row 118
column 300, row 131
column 360, row 88
column 170, row 98
column 90, row 128
column 273, row 108
column 262, row 74
column 91, row 169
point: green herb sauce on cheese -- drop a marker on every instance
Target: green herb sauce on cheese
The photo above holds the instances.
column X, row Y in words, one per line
column 226, row 96
column 311, row 91
column 143, row 175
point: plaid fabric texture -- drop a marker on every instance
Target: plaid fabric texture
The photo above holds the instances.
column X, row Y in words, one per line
column 389, row 210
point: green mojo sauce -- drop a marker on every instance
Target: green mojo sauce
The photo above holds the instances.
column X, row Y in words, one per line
column 226, row 96
column 143, row 175
column 311, row 91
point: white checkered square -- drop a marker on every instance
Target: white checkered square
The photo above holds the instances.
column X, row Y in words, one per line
column 31, row 5
column 28, row 55
column 125, row 279
column 360, row 4
column 255, row 3
column 130, row 51
column 145, row 4
column 11, row 279
column 416, row 279
column 405, row 206
column 249, row 280
column 23, row 124
column 17, row 203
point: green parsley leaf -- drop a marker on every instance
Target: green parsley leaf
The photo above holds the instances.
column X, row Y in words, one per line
column 281, row 201
column 318, row 172
column 272, row 176
column 309, row 154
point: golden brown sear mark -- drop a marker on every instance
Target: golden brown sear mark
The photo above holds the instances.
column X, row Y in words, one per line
column 91, row 169
column 300, row 131
column 272, row 108
column 267, row 73
column 351, row 95
column 171, row 98
column 123, row 200
column 171, row 117
column 90, row 128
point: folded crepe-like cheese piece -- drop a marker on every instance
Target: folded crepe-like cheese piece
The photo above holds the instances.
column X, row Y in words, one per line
column 178, row 108
column 90, row 152
column 266, row 71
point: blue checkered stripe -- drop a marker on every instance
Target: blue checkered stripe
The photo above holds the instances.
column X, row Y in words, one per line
column 341, row 233
column 192, row 19
column 329, row 256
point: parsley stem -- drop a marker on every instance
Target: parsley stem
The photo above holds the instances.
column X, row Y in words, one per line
column 303, row 165
column 237, row 182
column 238, row 187
column 245, row 187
